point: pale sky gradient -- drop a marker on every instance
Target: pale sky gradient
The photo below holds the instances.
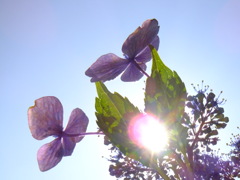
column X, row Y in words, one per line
column 46, row 46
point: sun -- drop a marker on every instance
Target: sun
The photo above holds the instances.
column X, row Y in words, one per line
column 146, row 131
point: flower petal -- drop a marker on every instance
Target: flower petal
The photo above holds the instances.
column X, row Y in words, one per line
column 77, row 124
column 45, row 118
column 132, row 73
column 68, row 144
column 50, row 154
column 140, row 38
column 145, row 55
column 106, row 67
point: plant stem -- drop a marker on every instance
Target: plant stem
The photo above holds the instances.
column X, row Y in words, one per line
column 160, row 171
column 139, row 67
column 84, row 134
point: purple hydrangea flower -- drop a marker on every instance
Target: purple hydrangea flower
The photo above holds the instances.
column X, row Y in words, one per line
column 45, row 119
column 136, row 53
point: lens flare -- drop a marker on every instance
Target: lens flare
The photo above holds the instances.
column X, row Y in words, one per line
column 146, row 131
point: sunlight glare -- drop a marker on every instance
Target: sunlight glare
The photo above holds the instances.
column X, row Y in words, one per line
column 148, row 132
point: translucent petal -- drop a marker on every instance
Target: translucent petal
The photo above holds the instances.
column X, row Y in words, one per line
column 106, row 67
column 132, row 73
column 45, row 118
column 145, row 55
column 50, row 154
column 68, row 144
column 77, row 124
column 140, row 38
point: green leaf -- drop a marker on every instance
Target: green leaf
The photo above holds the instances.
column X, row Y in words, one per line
column 165, row 98
column 113, row 114
column 165, row 92
column 112, row 105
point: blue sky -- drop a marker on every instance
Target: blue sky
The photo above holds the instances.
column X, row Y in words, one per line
column 46, row 46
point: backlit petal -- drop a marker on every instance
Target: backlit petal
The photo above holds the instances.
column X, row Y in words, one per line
column 132, row 73
column 45, row 118
column 145, row 55
column 68, row 144
column 106, row 67
column 50, row 154
column 140, row 38
column 77, row 124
